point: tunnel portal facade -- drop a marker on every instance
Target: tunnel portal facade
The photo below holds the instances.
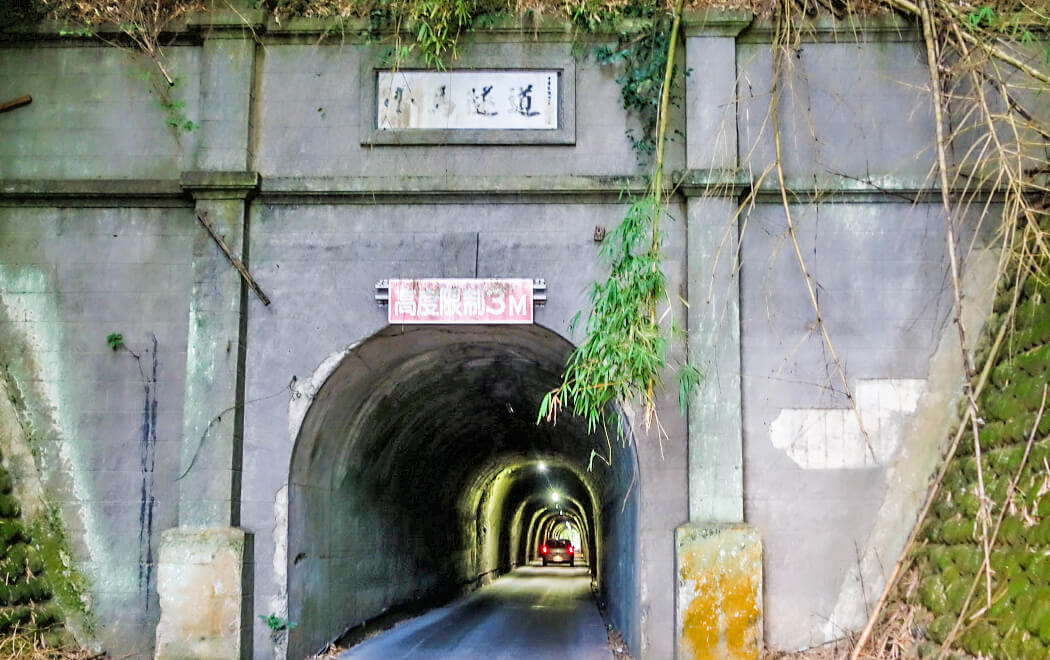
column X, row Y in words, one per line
column 226, row 455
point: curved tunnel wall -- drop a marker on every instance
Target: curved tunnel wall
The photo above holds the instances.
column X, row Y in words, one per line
column 415, row 477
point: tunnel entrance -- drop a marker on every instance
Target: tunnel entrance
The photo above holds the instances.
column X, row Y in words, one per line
column 419, row 473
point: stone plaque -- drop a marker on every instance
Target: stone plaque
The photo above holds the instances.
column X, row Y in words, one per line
column 467, row 100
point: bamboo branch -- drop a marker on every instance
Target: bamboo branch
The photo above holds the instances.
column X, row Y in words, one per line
column 657, row 189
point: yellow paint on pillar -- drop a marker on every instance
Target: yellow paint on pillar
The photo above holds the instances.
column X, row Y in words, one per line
column 720, row 580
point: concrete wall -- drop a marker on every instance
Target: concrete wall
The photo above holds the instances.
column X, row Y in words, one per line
column 96, row 113
column 98, row 236
column 106, row 425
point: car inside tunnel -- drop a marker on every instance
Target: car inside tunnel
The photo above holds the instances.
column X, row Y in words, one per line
column 420, row 473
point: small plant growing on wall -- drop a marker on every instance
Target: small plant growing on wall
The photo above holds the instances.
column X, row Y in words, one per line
column 275, row 623
column 115, row 340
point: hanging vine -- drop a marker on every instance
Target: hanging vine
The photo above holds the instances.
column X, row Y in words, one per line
column 624, row 353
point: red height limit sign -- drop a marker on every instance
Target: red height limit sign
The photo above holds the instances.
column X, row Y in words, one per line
column 460, row 301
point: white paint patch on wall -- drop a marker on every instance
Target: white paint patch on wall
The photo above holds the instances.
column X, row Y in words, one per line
column 497, row 100
column 303, row 391
column 831, row 438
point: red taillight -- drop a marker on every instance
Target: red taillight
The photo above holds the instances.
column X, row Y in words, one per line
column 543, row 550
column 570, row 550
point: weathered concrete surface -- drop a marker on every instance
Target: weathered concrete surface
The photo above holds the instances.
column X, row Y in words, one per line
column 95, row 113
column 883, row 297
column 719, row 614
column 204, row 577
column 911, row 470
column 851, row 106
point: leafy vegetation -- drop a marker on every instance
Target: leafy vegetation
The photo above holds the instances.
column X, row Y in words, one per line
column 115, row 340
column 276, row 623
column 625, row 352
column 641, row 58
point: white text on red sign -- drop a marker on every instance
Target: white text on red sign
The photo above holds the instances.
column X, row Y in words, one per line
column 460, row 301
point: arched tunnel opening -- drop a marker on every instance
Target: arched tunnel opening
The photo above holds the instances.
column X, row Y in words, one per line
column 419, row 473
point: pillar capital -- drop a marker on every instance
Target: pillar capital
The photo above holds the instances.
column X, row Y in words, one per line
column 219, row 185
column 715, row 22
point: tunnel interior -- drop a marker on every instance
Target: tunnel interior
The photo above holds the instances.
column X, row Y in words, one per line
column 420, row 473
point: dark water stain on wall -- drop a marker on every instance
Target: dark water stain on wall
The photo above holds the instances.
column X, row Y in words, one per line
column 147, row 461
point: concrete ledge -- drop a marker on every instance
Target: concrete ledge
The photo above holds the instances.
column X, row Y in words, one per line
column 715, row 22
column 852, row 29
column 90, row 188
column 204, row 583
column 372, row 188
column 719, row 609
column 219, row 185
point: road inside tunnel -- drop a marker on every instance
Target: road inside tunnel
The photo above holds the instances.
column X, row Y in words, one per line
column 420, row 475
column 533, row 612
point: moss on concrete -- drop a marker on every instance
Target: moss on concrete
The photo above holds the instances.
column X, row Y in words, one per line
column 949, row 556
column 27, row 602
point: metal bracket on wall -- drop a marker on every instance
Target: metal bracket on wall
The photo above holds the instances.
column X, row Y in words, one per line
column 7, row 106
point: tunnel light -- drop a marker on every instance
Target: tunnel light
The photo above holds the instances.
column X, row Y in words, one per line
column 555, row 496
column 542, row 467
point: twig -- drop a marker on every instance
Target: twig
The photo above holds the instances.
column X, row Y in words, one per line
column 997, row 53
column 237, row 263
column 774, row 103
column 932, row 52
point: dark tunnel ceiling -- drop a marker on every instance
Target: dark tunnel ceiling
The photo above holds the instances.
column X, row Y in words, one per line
column 436, row 406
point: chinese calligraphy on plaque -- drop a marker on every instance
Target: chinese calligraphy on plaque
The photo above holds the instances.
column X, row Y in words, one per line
column 499, row 100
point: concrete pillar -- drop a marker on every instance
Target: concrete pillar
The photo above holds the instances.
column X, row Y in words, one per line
column 227, row 78
column 205, row 568
column 716, row 485
column 210, row 484
column 719, row 559
column 204, row 575
column 204, row 578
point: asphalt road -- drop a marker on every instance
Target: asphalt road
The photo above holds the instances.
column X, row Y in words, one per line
column 531, row 613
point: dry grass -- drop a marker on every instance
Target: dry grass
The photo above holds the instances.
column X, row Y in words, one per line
column 831, row 651
column 18, row 645
column 618, row 646
column 330, row 653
